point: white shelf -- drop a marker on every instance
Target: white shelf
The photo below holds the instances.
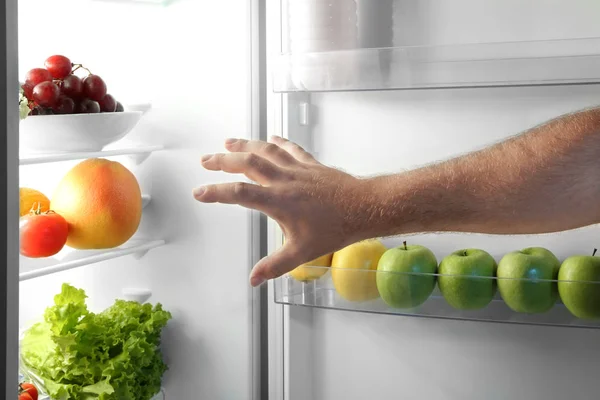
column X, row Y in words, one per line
column 139, row 153
column 530, row 63
column 81, row 258
column 146, row 198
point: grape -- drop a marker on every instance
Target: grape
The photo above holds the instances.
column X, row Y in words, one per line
column 120, row 107
column 87, row 106
column 94, row 87
column 59, row 66
column 64, row 105
column 108, row 104
column 45, row 94
column 28, row 90
column 72, row 86
column 37, row 76
column 38, row 110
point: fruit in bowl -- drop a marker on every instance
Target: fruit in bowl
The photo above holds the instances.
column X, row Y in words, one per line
column 63, row 112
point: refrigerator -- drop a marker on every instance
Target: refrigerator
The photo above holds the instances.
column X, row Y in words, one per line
column 368, row 86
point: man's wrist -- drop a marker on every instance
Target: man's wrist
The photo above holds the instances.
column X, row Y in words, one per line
column 380, row 215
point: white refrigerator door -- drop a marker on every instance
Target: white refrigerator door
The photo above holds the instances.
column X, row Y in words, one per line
column 197, row 63
column 329, row 354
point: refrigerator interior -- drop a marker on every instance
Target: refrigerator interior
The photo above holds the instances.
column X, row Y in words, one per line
column 192, row 61
column 331, row 354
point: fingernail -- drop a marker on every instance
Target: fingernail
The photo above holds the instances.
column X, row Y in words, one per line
column 206, row 157
column 199, row 192
column 256, row 280
column 230, row 141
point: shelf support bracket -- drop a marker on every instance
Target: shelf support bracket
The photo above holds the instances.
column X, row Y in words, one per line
column 304, row 114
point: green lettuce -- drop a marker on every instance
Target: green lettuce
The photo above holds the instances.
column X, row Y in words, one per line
column 112, row 355
column 23, row 107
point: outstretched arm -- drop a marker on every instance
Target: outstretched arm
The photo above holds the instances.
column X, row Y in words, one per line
column 544, row 180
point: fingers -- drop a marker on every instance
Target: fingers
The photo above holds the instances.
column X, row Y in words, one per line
column 278, row 263
column 269, row 151
column 292, row 148
column 244, row 194
column 254, row 167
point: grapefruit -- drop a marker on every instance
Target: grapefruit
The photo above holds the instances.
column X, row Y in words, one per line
column 32, row 199
column 102, row 203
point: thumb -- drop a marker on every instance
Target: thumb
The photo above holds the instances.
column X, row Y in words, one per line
column 276, row 264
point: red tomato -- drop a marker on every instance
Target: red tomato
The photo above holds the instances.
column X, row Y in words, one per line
column 42, row 234
column 25, row 396
column 28, row 389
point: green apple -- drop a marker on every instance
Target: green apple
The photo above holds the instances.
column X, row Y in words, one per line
column 579, row 285
column 475, row 283
column 519, row 274
column 398, row 279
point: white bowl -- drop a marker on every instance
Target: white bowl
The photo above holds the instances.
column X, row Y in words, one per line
column 143, row 107
column 67, row 133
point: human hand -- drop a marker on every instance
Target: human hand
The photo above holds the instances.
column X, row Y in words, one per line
column 317, row 207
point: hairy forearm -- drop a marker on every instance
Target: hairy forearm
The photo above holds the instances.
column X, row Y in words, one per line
column 544, row 180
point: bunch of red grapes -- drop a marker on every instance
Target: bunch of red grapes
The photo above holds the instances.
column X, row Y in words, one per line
column 56, row 90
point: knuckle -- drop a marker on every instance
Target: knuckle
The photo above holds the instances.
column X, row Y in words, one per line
column 218, row 159
column 252, row 160
column 295, row 146
column 238, row 144
column 240, row 189
column 292, row 194
column 271, row 149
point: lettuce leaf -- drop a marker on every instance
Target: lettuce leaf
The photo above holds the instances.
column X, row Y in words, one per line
column 23, row 107
column 110, row 355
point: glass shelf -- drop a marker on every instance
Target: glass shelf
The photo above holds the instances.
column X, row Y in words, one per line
column 159, row 396
column 68, row 258
column 138, row 153
column 358, row 290
column 529, row 63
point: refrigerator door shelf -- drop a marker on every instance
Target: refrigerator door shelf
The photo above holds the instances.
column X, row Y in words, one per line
column 364, row 290
column 138, row 154
column 526, row 63
column 68, row 259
